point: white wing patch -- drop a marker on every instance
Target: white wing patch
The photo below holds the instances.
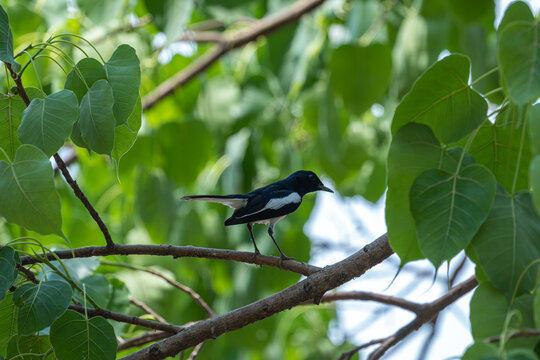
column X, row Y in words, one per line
column 278, row 203
column 274, row 204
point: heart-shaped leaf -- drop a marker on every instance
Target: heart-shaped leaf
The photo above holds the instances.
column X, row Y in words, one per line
column 507, row 243
column 360, row 75
column 443, row 99
column 29, row 198
column 28, row 347
column 41, row 304
column 450, row 208
column 96, row 120
column 11, row 110
column 516, row 11
column 83, row 76
column 519, row 59
column 125, row 135
column 75, row 337
column 124, row 75
column 414, row 149
column 6, row 41
column 8, row 272
column 8, row 320
column 47, row 123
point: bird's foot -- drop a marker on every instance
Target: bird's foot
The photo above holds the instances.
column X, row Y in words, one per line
column 284, row 258
column 255, row 254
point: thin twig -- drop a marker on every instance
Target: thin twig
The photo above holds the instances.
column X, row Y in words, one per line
column 143, row 339
column 63, row 168
column 179, row 252
column 148, row 309
column 348, row 354
column 195, row 351
column 369, row 296
column 150, row 324
column 519, row 334
column 257, row 29
column 186, row 289
column 430, row 311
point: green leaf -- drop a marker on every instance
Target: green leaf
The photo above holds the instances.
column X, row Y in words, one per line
column 534, row 128
column 489, row 309
column 29, row 198
column 504, row 148
column 442, row 99
column 25, row 346
column 125, row 135
column 6, row 41
column 155, row 204
column 77, row 269
column 507, row 243
column 11, row 110
column 450, row 208
column 413, row 150
column 75, row 337
column 478, row 350
column 100, row 11
column 124, row 75
column 8, row 321
column 91, row 70
column 360, row 75
column 470, row 11
column 96, row 119
column 47, row 123
column 519, row 58
column 534, row 174
column 40, row 304
column 177, row 139
column 177, row 15
column 516, row 11
column 97, row 287
column 8, row 272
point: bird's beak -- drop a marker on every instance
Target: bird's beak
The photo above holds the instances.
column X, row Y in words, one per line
column 324, row 188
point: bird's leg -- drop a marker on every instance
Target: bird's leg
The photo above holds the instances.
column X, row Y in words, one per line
column 271, row 233
column 250, row 228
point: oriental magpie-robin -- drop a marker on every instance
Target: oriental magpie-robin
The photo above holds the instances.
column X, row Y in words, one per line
column 269, row 204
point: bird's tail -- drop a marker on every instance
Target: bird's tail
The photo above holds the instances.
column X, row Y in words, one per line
column 235, row 201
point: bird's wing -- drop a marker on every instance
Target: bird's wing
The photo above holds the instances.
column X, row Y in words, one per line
column 236, row 201
column 266, row 205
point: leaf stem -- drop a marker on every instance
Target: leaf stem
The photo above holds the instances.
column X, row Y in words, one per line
column 483, row 76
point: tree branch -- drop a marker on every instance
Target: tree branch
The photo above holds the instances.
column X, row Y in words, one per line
column 179, row 252
column 430, row 311
column 150, row 324
column 172, row 282
column 258, row 28
column 313, row 287
column 148, row 309
column 63, row 168
column 143, row 339
column 369, row 296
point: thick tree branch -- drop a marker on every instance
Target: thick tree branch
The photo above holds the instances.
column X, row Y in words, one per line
column 430, row 311
column 313, row 287
column 179, row 252
column 63, row 168
column 258, row 28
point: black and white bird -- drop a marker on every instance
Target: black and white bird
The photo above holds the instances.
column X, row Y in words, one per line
column 268, row 204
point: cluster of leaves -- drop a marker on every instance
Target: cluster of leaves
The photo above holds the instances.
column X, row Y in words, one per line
column 461, row 179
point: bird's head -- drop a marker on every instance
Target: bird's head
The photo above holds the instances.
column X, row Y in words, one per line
column 308, row 181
